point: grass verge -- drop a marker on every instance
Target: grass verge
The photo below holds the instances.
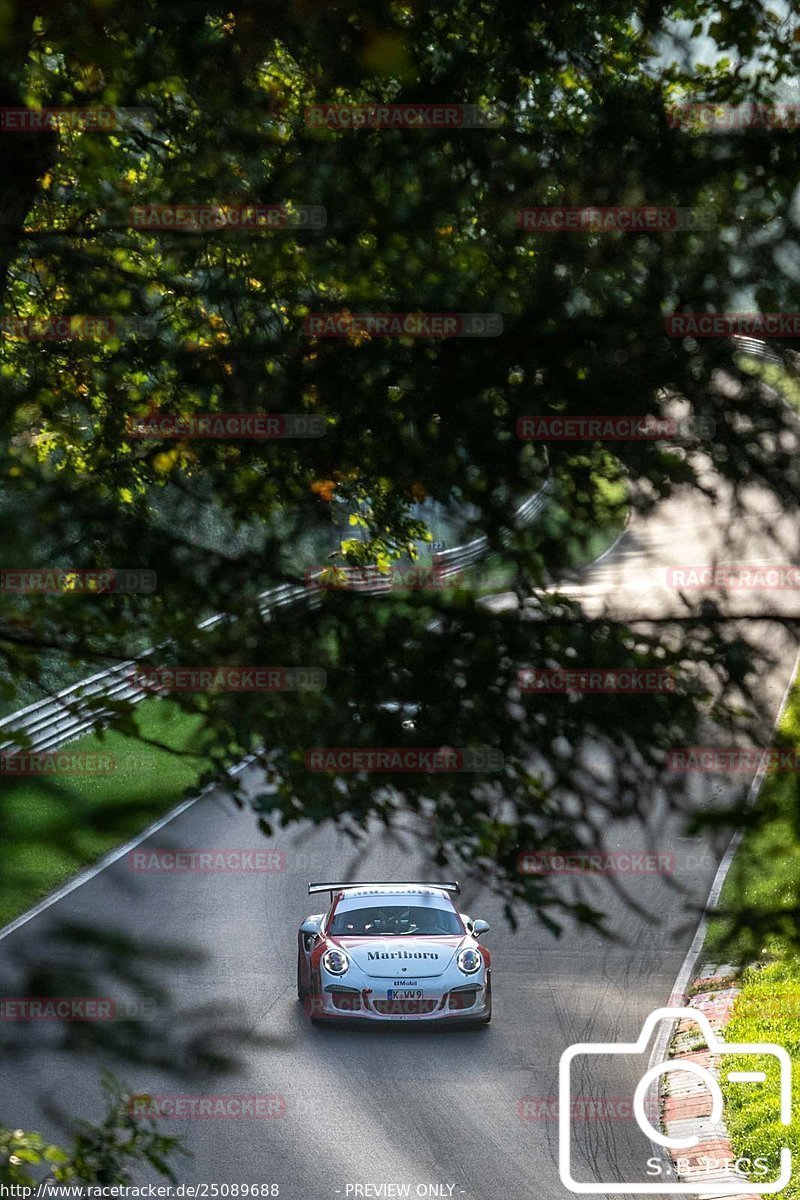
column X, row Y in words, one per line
column 611, row 508
column 53, row 826
column 767, row 1010
column 765, row 877
column 605, row 506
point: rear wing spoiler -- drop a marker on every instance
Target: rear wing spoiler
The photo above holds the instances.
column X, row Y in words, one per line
column 452, row 886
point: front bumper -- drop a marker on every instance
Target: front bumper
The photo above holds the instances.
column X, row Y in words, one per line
column 462, row 1002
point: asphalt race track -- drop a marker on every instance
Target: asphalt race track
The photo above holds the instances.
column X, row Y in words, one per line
column 362, row 1108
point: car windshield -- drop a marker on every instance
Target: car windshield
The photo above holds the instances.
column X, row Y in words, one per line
column 395, row 920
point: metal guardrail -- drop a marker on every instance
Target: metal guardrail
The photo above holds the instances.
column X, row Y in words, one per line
column 48, row 724
column 756, row 348
column 448, row 562
column 52, row 722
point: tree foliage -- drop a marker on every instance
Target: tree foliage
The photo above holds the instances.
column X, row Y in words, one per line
column 102, row 1153
column 577, row 100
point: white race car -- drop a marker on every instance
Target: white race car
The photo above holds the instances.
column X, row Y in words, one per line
column 393, row 952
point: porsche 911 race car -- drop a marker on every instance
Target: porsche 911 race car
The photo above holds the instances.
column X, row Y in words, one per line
column 393, row 952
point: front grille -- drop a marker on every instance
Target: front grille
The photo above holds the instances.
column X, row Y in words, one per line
column 404, row 1008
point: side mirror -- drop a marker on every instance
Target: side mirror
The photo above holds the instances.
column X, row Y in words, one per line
column 479, row 927
column 310, row 930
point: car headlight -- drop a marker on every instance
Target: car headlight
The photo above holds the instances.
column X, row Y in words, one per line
column 335, row 961
column 470, row 961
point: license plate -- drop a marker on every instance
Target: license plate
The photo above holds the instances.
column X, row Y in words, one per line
column 404, row 994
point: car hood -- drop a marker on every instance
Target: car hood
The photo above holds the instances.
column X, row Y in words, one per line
column 396, row 957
